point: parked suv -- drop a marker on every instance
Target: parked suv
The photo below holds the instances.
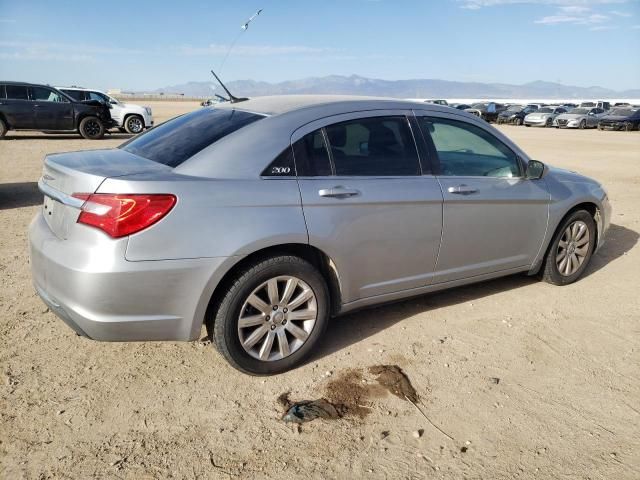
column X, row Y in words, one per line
column 128, row 117
column 26, row 106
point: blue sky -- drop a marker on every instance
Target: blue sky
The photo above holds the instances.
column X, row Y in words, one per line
column 151, row 44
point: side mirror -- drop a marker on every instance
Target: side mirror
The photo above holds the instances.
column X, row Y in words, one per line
column 535, row 170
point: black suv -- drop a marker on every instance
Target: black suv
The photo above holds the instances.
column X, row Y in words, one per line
column 26, row 106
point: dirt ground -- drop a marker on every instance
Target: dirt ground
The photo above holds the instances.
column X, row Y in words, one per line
column 521, row 378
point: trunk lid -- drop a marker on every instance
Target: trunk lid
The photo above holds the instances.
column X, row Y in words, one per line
column 83, row 172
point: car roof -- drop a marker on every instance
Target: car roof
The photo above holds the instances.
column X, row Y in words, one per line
column 27, row 84
column 279, row 104
column 79, row 89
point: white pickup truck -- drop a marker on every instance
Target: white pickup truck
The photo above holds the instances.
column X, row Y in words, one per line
column 128, row 117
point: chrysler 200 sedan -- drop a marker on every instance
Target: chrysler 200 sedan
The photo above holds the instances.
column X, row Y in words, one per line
column 262, row 219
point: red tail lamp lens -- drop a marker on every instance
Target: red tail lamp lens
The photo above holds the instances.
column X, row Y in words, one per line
column 120, row 215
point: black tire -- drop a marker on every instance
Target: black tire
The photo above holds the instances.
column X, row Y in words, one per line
column 3, row 128
column 134, row 124
column 550, row 272
column 549, row 122
column 91, row 128
column 582, row 125
column 222, row 325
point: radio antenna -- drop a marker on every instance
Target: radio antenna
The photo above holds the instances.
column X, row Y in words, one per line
column 232, row 99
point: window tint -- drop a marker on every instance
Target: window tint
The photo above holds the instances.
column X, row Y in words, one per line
column 97, row 96
column 177, row 140
column 312, row 159
column 78, row 95
column 17, row 92
column 282, row 166
column 377, row 146
column 42, row 94
column 466, row 150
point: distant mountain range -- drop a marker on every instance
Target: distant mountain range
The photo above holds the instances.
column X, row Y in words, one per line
column 417, row 88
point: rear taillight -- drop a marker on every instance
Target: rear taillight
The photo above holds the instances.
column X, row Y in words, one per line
column 120, row 215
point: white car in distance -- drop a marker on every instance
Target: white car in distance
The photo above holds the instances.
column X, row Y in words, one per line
column 129, row 117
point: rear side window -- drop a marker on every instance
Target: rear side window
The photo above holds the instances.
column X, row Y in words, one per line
column 42, row 94
column 376, row 146
column 312, row 158
column 177, row 140
column 17, row 92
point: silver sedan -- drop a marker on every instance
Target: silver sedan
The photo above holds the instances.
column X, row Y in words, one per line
column 264, row 218
column 579, row 118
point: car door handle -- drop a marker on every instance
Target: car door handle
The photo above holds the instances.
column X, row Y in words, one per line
column 462, row 190
column 338, row 192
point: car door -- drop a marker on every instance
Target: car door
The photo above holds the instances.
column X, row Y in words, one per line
column 367, row 203
column 593, row 117
column 493, row 218
column 52, row 110
column 17, row 108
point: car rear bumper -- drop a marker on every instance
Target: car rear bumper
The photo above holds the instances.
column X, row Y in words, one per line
column 102, row 296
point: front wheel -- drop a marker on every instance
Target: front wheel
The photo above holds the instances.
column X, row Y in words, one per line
column 91, row 128
column 571, row 249
column 134, row 124
column 549, row 123
column 272, row 316
column 582, row 125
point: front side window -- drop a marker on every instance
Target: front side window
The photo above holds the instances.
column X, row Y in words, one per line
column 78, row 95
column 98, row 96
column 17, row 92
column 466, row 150
column 376, row 146
column 41, row 94
column 177, row 140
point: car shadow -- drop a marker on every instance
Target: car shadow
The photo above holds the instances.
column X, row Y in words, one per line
column 354, row 327
column 618, row 241
column 16, row 195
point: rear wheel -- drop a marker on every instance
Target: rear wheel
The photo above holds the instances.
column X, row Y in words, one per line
column 3, row 128
column 134, row 124
column 571, row 249
column 91, row 128
column 272, row 315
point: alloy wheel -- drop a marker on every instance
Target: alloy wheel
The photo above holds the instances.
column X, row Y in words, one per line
column 92, row 128
column 277, row 318
column 573, row 248
column 134, row 124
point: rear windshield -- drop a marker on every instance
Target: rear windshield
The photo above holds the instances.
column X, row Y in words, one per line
column 177, row 140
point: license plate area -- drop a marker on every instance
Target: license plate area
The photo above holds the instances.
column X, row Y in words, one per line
column 54, row 214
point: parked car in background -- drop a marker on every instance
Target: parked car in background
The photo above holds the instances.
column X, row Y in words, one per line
column 488, row 111
column 327, row 206
column 622, row 104
column 579, row 118
column 128, row 117
column 544, row 116
column 515, row 114
column 569, row 106
column 29, row 106
column 599, row 104
column 437, row 102
column 621, row 118
column 459, row 106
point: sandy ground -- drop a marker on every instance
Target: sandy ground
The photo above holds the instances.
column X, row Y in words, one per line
column 567, row 404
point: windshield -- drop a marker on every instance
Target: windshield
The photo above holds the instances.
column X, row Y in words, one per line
column 579, row 111
column 514, row 108
column 177, row 140
column 545, row 110
column 479, row 106
column 623, row 112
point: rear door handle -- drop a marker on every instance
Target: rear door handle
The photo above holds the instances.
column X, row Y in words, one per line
column 462, row 190
column 338, row 192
